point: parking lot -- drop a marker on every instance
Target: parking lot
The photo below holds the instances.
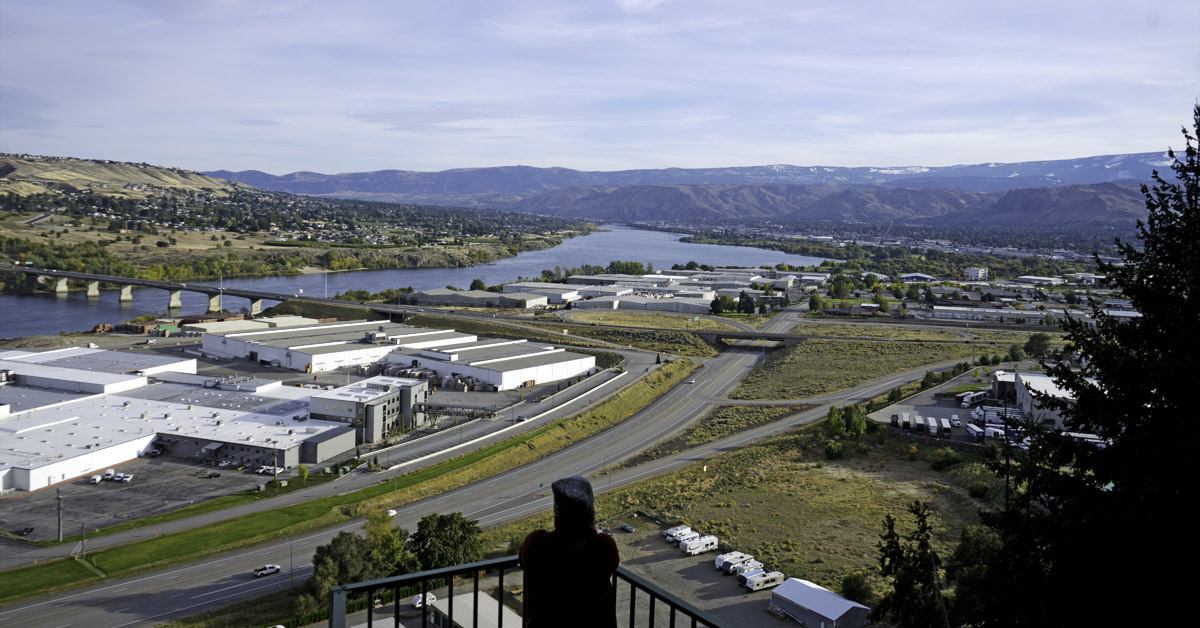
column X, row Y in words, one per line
column 159, row 485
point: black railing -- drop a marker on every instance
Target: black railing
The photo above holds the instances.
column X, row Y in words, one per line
column 377, row 592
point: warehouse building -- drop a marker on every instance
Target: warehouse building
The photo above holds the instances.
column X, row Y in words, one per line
column 814, row 605
column 61, row 422
column 498, row 364
column 376, row 407
column 1027, row 384
column 329, row 346
column 480, row 298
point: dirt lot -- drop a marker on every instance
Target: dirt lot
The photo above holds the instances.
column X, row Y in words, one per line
column 693, row 578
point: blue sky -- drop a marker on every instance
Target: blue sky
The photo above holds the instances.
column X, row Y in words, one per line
column 352, row 86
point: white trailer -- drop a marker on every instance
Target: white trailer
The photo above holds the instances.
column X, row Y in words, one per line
column 932, row 426
column 730, row 564
column 974, row 398
column 945, row 428
column 743, row 577
column 699, row 546
column 747, row 566
column 670, row 532
column 685, row 537
column 765, row 581
column 719, row 561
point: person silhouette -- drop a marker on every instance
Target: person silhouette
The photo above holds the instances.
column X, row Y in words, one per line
column 568, row 573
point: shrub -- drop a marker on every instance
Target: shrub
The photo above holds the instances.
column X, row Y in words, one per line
column 978, row 489
column 944, row 458
column 834, row 450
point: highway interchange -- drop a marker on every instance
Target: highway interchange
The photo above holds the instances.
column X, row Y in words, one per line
column 187, row 589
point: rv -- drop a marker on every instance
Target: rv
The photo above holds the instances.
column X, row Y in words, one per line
column 719, row 562
column 746, row 567
column 684, row 537
column 670, row 532
column 699, row 546
column 765, row 581
column 750, row 573
column 729, row 565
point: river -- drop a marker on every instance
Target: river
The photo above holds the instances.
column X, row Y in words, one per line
column 47, row 313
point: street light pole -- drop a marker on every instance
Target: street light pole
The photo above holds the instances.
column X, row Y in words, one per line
column 291, row 558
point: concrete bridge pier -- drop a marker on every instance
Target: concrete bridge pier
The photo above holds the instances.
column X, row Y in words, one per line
column 93, row 289
column 214, row 303
column 174, row 302
column 126, row 294
column 60, row 284
column 255, row 307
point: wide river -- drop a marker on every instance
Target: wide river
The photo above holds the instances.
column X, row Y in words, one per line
column 46, row 313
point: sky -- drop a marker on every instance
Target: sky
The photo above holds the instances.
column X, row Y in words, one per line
column 352, row 86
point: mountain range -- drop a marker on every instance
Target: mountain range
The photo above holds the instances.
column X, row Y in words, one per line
column 1100, row 190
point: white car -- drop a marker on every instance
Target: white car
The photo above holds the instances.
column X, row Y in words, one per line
column 429, row 599
column 266, row 570
column 391, row 513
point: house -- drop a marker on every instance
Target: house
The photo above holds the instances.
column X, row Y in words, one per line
column 916, row 278
column 814, row 605
column 974, row 273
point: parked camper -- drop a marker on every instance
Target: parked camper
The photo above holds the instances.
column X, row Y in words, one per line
column 747, row 566
column 699, row 546
column 730, row 565
column 719, row 562
column 670, row 532
column 994, row 432
column 765, row 581
column 971, row 399
column 975, row 432
column 945, row 428
column 750, row 573
column 110, row 474
column 685, row 537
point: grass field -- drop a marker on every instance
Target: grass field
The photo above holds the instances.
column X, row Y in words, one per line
column 256, row 528
column 898, row 332
column 797, row 512
column 657, row 320
column 720, row 422
column 817, row 367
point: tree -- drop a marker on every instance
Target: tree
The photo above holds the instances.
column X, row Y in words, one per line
column 302, row 473
column 345, row 559
column 857, row 588
column 1038, row 345
column 881, row 301
column 445, row 540
column 1015, row 353
column 856, row 420
column 836, row 425
column 1069, row 498
column 388, row 544
column 477, row 284
column 815, row 303
column 745, row 303
column 915, row 598
column 716, row 307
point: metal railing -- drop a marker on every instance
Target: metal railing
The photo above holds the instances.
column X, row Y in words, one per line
column 377, row 592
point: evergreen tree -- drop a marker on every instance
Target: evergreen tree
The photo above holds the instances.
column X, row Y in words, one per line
column 1080, row 518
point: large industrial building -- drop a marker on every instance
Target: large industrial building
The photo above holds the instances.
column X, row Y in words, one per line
column 489, row 364
column 74, row 412
column 330, row 346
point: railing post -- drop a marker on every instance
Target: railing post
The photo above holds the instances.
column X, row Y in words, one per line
column 337, row 607
column 500, row 611
column 396, row 606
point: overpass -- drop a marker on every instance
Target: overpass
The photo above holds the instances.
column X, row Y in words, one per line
column 59, row 278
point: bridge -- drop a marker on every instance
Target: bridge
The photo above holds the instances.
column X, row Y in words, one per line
column 59, row 278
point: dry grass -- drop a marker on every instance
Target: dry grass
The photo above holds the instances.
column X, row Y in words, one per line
column 898, row 332
column 655, row 320
column 817, row 367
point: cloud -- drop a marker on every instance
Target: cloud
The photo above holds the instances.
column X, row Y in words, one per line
column 258, row 122
column 23, row 110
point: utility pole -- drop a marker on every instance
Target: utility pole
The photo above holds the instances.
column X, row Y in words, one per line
column 58, row 496
column 82, row 542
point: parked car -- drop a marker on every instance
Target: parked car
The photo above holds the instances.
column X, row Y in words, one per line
column 266, row 570
column 606, row 531
column 23, row 531
column 127, row 478
column 391, row 513
column 626, row 527
column 213, row 474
